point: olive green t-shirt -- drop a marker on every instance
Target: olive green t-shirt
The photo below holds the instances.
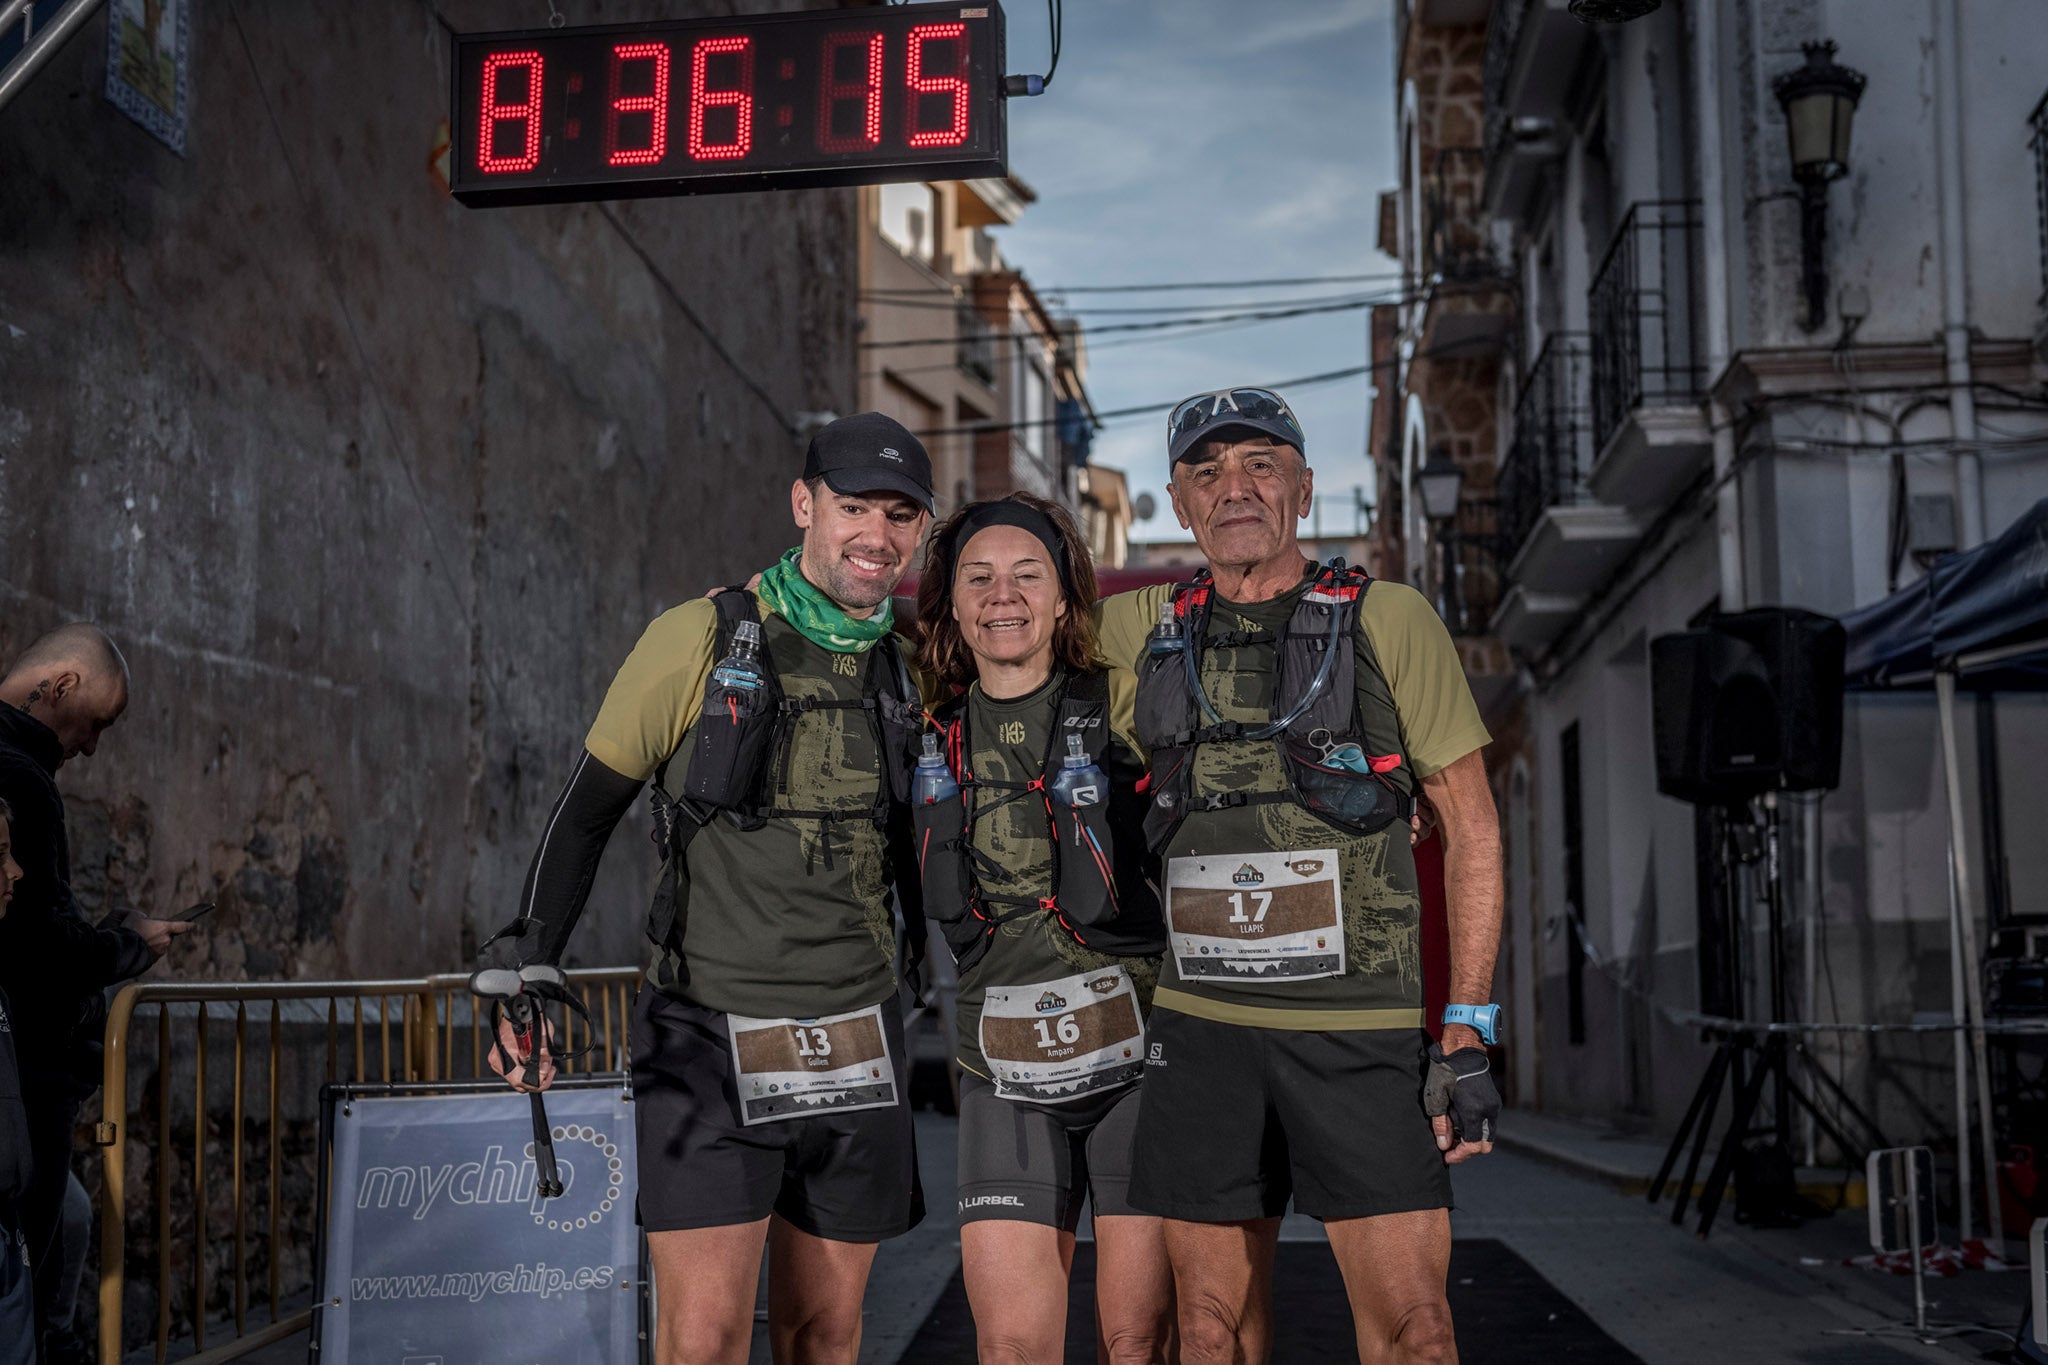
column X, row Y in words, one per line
column 1009, row 740
column 793, row 919
column 1413, row 700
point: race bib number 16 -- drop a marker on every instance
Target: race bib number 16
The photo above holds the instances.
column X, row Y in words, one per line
column 1256, row 916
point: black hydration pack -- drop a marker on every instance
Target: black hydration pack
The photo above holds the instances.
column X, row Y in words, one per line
column 1099, row 891
column 1315, row 710
column 740, row 761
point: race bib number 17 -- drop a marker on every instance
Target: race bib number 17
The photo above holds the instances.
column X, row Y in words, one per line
column 1256, row 916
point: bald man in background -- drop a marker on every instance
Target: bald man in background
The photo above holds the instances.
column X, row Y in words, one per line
column 56, row 700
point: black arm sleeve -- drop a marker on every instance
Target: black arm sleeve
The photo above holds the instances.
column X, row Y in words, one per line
column 558, row 883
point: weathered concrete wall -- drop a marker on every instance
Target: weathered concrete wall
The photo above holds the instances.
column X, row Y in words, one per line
column 375, row 490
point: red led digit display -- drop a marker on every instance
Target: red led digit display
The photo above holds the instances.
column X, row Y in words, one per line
column 740, row 98
column 809, row 97
column 654, row 104
column 495, row 113
column 946, row 38
column 832, row 104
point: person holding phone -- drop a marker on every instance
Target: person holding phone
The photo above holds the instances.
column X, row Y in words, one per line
column 1032, row 858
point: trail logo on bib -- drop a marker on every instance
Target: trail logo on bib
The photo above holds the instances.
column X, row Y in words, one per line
column 1248, row 876
column 1051, row 1002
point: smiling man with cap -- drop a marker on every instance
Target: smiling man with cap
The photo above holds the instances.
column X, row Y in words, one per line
column 769, row 1076
column 1292, row 712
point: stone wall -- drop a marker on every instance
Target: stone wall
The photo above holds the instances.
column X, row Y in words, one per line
column 374, row 490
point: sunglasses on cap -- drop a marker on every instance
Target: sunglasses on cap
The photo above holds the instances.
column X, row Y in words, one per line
column 1261, row 408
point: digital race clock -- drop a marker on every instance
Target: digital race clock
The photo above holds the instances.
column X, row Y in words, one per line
column 768, row 101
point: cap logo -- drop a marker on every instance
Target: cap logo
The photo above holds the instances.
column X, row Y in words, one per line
column 888, row 453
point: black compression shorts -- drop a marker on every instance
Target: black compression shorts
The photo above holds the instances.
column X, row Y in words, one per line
column 1034, row 1162
column 1239, row 1119
column 850, row 1177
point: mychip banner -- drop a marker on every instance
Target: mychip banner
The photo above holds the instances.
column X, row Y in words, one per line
column 439, row 1252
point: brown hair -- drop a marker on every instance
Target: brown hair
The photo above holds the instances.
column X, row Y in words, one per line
column 943, row 652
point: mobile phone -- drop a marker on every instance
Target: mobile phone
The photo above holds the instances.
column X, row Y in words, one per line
column 192, row 912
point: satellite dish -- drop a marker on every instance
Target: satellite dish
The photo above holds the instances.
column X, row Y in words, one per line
column 1144, row 507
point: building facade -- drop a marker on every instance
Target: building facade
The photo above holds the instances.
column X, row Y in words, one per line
column 1676, row 387
column 957, row 345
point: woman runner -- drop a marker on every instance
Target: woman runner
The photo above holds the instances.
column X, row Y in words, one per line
column 1040, row 885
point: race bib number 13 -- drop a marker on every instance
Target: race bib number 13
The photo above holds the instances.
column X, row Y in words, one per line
column 1256, row 916
column 791, row 1068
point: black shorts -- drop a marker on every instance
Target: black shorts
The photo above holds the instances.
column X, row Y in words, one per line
column 1238, row 1119
column 1034, row 1162
column 850, row 1177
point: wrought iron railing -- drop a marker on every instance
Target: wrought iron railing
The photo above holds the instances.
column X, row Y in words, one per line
column 976, row 350
column 2038, row 121
column 1643, row 309
column 1551, row 449
column 1503, row 32
column 1456, row 244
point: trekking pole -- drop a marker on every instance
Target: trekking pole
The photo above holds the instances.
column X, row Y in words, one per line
column 506, row 989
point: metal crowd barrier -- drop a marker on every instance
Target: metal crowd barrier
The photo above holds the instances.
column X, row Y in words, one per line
column 295, row 1023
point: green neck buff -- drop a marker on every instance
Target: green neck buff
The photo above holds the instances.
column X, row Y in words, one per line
column 817, row 617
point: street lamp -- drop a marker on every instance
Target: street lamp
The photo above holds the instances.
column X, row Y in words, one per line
column 1819, row 100
column 1439, row 483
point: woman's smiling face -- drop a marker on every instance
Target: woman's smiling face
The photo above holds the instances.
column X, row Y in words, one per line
column 1006, row 597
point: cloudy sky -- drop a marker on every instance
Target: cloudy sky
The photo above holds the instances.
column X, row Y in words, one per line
column 1209, row 140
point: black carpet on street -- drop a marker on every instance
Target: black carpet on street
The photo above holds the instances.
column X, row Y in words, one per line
column 1505, row 1312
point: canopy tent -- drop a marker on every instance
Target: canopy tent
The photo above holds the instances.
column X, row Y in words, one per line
column 1978, row 618
column 1981, row 615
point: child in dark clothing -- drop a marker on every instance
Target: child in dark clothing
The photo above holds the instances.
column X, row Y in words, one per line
column 17, row 1295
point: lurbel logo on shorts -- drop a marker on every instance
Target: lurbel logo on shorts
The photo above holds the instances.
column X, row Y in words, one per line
column 1248, row 876
column 982, row 1201
column 1050, row 1001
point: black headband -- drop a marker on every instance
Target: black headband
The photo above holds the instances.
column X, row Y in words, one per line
column 1005, row 512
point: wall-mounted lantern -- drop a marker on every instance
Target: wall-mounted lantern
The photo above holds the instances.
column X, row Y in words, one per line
column 1439, row 484
column 1819, row 100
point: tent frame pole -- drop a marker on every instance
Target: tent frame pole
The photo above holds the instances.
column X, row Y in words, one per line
column 1968, row 967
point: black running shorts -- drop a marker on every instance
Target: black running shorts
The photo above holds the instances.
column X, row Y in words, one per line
column 850, row 1177
column 1239, row 1119
column 1035, row 1162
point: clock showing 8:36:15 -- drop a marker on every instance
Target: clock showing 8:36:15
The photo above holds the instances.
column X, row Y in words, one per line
column 773, row 101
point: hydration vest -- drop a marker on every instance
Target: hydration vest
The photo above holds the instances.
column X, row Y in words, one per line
column 1100, row 895
column 1315, row 695
column 739, row 763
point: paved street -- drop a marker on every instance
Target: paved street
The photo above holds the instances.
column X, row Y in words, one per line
column 1657, row 1290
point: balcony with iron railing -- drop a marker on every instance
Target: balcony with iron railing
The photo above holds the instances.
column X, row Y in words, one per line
column 1469, row 292
column 1532, row 51
column 1650, row 434
column 975, row 349
column 1558, row 541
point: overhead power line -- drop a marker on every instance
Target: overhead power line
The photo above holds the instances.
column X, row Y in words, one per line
column 1302, row 382
column 949, row 305
column 1045, row 291
column 1157, row 325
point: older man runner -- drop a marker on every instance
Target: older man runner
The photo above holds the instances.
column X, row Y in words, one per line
column 769, row 1074
column 1292, row 713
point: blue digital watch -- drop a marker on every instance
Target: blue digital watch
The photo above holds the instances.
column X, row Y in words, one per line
column 1484, row 1018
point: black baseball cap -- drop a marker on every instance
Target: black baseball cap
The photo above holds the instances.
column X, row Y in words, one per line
column 870, row 453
